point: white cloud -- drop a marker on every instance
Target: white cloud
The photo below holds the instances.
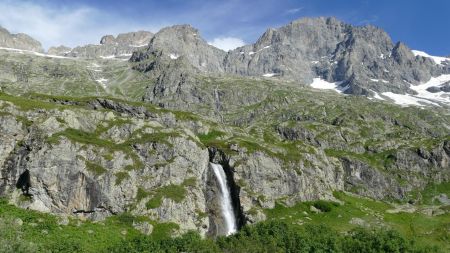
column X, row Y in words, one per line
column 74, row 24
column 54, row 26
column 293, row 11
column 227, row 43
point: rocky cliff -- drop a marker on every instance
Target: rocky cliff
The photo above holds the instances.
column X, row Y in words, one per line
column 336, row 52
column 121, row 46
column 19, row 41
column 361, row 60
column 93, row 158
column 92, row 137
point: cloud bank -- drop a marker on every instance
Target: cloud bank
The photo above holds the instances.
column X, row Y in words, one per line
column 227, row 43
column 53, row 26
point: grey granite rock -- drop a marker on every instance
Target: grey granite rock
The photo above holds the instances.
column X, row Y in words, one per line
column 60, row 50
column 121, row 46
column 363, row 59
column 19, row 41
column 336, row 52
column 181, row 42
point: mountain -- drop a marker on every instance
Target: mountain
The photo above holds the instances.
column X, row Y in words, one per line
column 121, row 46
column 60, row 50
column 357, row 60
column 336, row 52
column 184, row 136
column 19, row 41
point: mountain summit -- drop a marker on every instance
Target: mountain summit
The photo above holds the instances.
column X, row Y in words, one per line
column 19, row 41
column 121, row 46
column 358, row 60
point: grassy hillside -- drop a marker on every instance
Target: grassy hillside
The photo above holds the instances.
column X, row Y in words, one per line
column 291, row 229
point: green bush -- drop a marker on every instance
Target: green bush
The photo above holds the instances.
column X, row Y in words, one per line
column 11, row 238
column 324, row 206
column 268, row 236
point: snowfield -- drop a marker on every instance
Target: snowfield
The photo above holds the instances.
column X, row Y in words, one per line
column 437, row 59
column 423, row 96
column 21, row 51
column 319, row 83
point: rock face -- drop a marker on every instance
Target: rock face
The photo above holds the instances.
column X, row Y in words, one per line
column 277, row 141
column 106, row 157
column 121, row 46
column 87, row 180
column 61, row 50
column 19, row 41
column 182, row 42
column 95, row 183
column 336, row 52
column 134, row 39
column 363, row 60
column 174, row 57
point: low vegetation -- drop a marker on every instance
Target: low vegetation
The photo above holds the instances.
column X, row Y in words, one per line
column 287, row 229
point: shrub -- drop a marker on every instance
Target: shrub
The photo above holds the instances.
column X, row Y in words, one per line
column 324, row 206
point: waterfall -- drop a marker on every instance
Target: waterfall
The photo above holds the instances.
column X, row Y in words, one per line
column 225, row 202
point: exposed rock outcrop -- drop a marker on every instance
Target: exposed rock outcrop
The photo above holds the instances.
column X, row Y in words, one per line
column 121, row 46
column 60, row 50
column 19, row 41
column 277, row 141
column 362, row 59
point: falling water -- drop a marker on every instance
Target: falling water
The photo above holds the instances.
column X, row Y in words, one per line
column 225, row 203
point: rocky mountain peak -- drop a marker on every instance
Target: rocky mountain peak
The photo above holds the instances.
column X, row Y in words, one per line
column 108, row 40
column 60, row 50
column 184, row 41
column 363, row 60
column 177, row 38
column 121, row 46
column 139, row 38
column 19, row 41
column 401, row 53
column 332, row 50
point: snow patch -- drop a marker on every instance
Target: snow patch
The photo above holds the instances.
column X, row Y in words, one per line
column 319, row 83
column 406, row 99
column 270, row 74
column 108, row 57
column 21, row 51
column 423, row 96
column 436, row 59
column 442, row 97
column 173, row 56
column 376, row 95
column 378, row 80
column 102, row 82
column 142, row 45
column 252, row 52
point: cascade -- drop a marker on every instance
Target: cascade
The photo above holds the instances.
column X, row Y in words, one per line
column 225, row 201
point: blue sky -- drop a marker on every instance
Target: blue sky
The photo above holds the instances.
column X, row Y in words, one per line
column 421, row 24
